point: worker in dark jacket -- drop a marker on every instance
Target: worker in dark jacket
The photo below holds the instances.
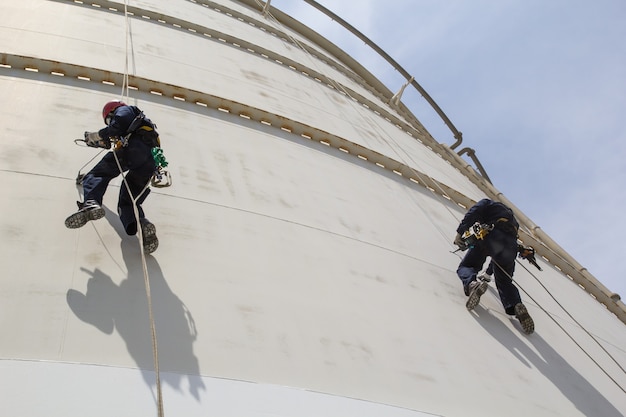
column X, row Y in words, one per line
column 499, row 243
column 134, row 136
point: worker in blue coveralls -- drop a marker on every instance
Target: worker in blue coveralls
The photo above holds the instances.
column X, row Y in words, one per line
column 134, row 136
column 500, row 243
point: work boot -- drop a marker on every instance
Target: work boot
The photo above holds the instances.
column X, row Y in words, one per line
column 521, row 313
column 148, row 233
column 475, row 289
column 89, row 210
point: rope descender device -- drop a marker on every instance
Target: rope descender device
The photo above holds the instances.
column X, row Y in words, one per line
column 161, row 177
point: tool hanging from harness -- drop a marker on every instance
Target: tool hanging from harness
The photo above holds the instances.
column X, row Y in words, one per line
column 478, row 231
column 161, row 177
column 528, row 253
column 146, row 131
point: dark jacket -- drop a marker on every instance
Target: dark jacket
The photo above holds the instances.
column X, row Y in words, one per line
column 122, row 122
column 490, row 212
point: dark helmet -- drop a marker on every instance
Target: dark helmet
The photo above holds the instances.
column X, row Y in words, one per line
column 110, row 107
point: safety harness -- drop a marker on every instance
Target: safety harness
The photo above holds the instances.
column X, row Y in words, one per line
column 144, row 126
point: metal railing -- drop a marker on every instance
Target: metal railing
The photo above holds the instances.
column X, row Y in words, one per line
column 546, row 247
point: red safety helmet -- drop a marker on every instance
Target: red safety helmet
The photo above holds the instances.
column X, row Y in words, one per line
column 109, row 107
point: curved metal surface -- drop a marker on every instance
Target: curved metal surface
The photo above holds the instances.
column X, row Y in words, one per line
column 549, row 249
column 305, row 264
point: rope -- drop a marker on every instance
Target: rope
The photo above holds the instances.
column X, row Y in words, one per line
column 155, row 351
column 79, row 176
column 561, row 327
column 396, row 149
column 376, row 127
column 125, row 83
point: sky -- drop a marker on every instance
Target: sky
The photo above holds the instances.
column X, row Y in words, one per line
column 538, row 89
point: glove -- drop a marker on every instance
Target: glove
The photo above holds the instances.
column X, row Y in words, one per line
column 94, row 140
column 458, row 240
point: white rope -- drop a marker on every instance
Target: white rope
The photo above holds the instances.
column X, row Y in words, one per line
column 396, row 149
column 392, row 144
column 79, row 176
column 155, row 351
column 561, row 327
column 125, row 87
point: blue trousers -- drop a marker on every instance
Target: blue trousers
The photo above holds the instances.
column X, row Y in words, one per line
column 136, row 158
column 502, row 248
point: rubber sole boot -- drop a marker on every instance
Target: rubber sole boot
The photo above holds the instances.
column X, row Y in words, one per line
column 150, row 239
column 521, row 313
column 477, row 288
column 85, row 214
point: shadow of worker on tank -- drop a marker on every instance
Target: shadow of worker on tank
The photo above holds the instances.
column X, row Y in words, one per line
column 124, row 308
column 547, row 360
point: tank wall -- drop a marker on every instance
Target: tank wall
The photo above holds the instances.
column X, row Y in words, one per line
column 291, row 276
column 217, row 68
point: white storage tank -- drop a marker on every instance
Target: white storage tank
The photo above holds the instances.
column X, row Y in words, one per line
column 305, row 265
